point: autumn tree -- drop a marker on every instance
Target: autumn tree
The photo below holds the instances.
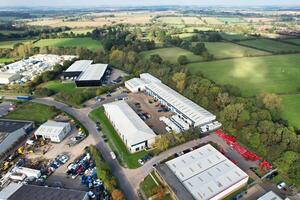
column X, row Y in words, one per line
column 117, row 195
column 179, row 78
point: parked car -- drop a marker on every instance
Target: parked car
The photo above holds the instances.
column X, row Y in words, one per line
column 113, row 155
column 281, row 185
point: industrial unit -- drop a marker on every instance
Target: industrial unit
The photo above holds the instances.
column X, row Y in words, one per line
column 7, row 78
column 270, row 196
column 187, row 112
column 15, row 191
column 201, row 174
column 11, row 131
column 132, row 129
column 85, row 73
column 55, row 131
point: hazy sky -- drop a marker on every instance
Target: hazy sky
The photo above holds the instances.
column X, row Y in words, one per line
column 88, row 3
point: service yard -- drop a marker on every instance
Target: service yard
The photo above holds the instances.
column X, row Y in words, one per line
column 149, row 110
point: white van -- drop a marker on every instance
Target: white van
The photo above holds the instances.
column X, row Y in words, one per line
column 113, row 155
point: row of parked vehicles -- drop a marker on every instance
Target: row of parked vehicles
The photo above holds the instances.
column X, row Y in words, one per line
column 84, row 167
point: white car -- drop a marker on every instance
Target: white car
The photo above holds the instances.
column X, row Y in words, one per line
column 141, row 161
column 91, row 194
column 281, row 185
column 113, row 155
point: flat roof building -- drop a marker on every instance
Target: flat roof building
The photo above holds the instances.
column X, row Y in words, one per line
column 7, row 78
column 132, row 129
column 135, row 85
column 11, row 131
column 270, row 196
column 85, row 73
column 16, row 191
column 92, row 75
column 202, row 174
column 55, row 131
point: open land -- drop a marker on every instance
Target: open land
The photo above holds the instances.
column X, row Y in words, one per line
column 70, row 42
column 276, row 74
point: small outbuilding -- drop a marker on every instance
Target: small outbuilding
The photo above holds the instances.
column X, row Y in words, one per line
column 55, row 131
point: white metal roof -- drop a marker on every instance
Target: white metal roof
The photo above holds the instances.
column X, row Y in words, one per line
column 51, row 128
column 93, row 72
column 6, row 75
column 190, row 109
column 128, row 123
column 135, row 82
column 148, row 78
column 205, row 172
column 270, row 196
column 79, row 66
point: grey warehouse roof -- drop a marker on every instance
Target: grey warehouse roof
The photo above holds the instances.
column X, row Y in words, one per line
column 8, row 126
column 79, row 66
column 190, row 109
column 33, row 192
column 93, row 72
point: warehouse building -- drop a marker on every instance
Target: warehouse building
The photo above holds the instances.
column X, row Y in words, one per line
column 15, row 191
column 93, row 75
column 77, row 68
column 55, row 131
column 132, row 129
column 201, row 174
column 7, row 78
column 185, row 109
column 11, row 131
column 85, row 73
column 270, row 196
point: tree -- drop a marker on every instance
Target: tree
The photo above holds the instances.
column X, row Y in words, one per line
column 179, row 78
column 199, row 48
column 162, row 143
column 273, row 102
column 182, row 60
column 156, row 58
column 117, row 195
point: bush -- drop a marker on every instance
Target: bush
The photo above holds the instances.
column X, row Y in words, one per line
column 182, row 60
column 43, row 92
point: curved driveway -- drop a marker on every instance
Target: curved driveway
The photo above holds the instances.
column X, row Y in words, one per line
column 129, row 179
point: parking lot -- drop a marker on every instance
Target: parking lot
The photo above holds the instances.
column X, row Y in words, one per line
column 147, row 109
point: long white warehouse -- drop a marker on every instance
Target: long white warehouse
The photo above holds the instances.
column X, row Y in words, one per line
column 202, row 174
column 132, row 129
column 187, row 110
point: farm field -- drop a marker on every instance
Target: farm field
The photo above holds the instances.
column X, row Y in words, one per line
column 271, row 45
column 10, row 44
column 234, row 36
column 171, row 54
column 79, row 31
column 229, row 50
column 211, row 20
column 276, row 74
column 291, row 109
column 70, row 42
column 25, row 112
column 231, row 19
column 295, row 41
column 184, row 35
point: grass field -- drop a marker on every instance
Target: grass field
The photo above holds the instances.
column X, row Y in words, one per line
column 79, row 31
column 291, row 109
column 295, row 41
column 115, row 142
column 58, row 86
column 4, row 60
column 10, row 44
column 235, row 36
column 211, row 20
column 231, row 19
column 171, row 54
column 32, row 112
column 185, row 35
column 230, row 50
column 271, row 45
column 70, row 42
column 277, row 74
column 148, row 185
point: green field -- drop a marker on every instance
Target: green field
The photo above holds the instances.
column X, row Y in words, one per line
column 291, row 109
column 4, row 60
column 231, row 19
column 271, row 45
column 58, row 86
column 171, row 54
column 277, row 74
column 235, row 36
column 295, row 41
column 115, row 142
column 10, row 44
column 32, row 112
column 229, row 50
column 71, row 42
